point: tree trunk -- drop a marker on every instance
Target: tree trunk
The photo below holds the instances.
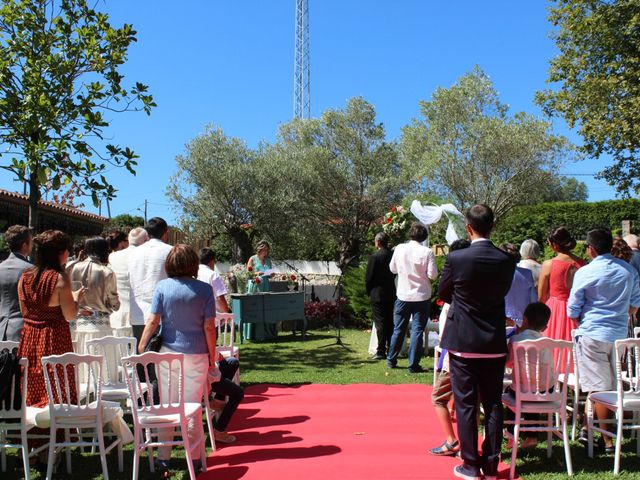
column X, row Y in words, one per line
column 34, row 197
column 243, row 246
column 349, row 251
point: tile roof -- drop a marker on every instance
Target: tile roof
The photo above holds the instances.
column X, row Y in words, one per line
column 20, row 199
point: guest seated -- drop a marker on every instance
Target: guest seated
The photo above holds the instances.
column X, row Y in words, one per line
column 534, row 322
column 185, row 309
column 221, row 388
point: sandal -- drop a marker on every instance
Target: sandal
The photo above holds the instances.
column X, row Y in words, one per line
column 446, row 449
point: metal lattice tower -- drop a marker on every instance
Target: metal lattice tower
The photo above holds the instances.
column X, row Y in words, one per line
column 301, row 69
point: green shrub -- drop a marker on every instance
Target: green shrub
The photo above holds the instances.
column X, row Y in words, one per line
column 536, row 221
column 355, row 291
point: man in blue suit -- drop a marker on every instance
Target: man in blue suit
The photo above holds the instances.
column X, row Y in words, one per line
column 20, row 242
column 475, row 281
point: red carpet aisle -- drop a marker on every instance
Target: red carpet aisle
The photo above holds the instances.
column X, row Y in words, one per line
column 333, row 432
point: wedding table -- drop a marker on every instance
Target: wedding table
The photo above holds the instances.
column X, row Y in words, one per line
column 261, row 309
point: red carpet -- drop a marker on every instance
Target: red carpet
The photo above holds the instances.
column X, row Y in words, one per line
column 333, row 432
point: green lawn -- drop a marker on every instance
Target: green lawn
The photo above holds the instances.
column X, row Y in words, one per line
column 320, row 360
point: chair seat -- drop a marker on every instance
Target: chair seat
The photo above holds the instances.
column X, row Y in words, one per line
column 531, row 407
column 115, row 392
column 610, row 400
column 148, row 419
column 227, row 352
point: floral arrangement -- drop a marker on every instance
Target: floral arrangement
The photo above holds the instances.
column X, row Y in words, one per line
column 291, row 279
column 242, row 274
column 396, row 222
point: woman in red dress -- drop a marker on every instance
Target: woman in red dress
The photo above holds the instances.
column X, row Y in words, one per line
column 47, row 304
column 556, row 279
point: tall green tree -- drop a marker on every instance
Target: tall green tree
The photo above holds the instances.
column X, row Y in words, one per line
column 215, row 190
column 467, row 148
column 344, row 172
column 598, row 72
column 60, row 73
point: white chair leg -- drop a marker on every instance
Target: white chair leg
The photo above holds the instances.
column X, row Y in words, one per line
column 25, row 454
column 567, row 447
column 52, row 454
column 209, row 414
column 620, row 422
column 3, row 455
column 120, row 457
column 574, row 415
column 152, row 467
column 188, row 453
column 67, row 438
column 136, row 456
column 589, row 408
column 549, row 435
column 514, row 448
column 103, row 454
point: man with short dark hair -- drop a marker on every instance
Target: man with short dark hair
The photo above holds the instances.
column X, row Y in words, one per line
column 208, row 274
column 415, row 266
column 381, row 287
column 604, row 293
column 20, row 240
column 475, row 281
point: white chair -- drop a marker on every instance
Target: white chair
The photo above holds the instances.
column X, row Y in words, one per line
column 112, row 350
column 69, row 410
column 166, row 415
column 225, row 339
column 538, row 392
column 578, row 397
column 437, row 352
column 625, row 399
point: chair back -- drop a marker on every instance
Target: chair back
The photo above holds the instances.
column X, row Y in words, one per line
column 535, row 374
column 12, row 409
column 63, row 383
column 636, row 332
column 169, row 368
column 8, row 344
column 112, row 350
column 225, row 335
column 627, row 366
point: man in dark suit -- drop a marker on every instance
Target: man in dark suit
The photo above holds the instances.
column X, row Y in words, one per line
column 475, row 281
column 20, row 242
column 381, row 287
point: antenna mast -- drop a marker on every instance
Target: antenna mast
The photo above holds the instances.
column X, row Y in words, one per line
column 301, row 69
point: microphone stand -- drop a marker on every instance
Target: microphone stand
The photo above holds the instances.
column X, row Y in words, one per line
column 337, row 294
column 304, row 294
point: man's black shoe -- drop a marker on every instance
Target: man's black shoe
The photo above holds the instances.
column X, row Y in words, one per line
column 378, row 356
column 466, row 472
column 417, row 369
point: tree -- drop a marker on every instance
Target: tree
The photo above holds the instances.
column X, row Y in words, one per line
column 563, row 189
column 598, row 70
column 59, row 75
column 214, row 188
column 125, row 222
column 468, row 149
column 346, row 174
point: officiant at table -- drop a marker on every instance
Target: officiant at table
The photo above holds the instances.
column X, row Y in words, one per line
column 261, row 262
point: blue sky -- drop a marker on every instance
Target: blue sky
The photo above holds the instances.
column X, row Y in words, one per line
column 230, row 63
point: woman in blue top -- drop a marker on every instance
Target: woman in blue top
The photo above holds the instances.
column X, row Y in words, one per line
column 185, row 309
column 260, row 262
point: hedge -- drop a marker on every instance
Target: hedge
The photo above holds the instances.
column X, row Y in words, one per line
column 536, row 221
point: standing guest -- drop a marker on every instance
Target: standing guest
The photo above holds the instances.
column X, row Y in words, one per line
column 119, row 263
column 556, row 278
column 260, row 262
column 632, row 241
column 207, row 274
column 146, row 269
column 381, row 288
column 530, row 252
column 20, row 241
column 185, row 309
column 101, row 298
column 522, row 291
column 415, row 266
column 603, row 295
column 475, row 281
column 622, row 251
column 48, row 305
column 442, row 393
column 117, row 241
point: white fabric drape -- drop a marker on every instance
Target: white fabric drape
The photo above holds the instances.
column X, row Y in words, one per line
column 430, row 214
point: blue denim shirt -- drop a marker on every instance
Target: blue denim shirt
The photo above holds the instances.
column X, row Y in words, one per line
column 600, row 298
column 520, row 295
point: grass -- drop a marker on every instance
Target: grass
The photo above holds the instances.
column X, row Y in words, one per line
column 319, row 359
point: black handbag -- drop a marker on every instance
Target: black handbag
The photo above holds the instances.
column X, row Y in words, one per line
column 155, row 342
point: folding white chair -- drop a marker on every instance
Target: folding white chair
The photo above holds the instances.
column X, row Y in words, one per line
column 13, row 419
column 437, row 352
column 578, row 397
column 225, row 339
column 626, row 398
column 538, row 392
column 112, row 350
column 171, row 414
column 69, row 410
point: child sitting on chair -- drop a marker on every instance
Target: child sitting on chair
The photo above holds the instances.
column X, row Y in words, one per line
column 535, row 319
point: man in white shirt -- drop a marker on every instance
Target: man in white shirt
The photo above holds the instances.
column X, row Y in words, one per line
column 146, row 269
column 207, row 274
column 119, row 263
column 415, row 266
